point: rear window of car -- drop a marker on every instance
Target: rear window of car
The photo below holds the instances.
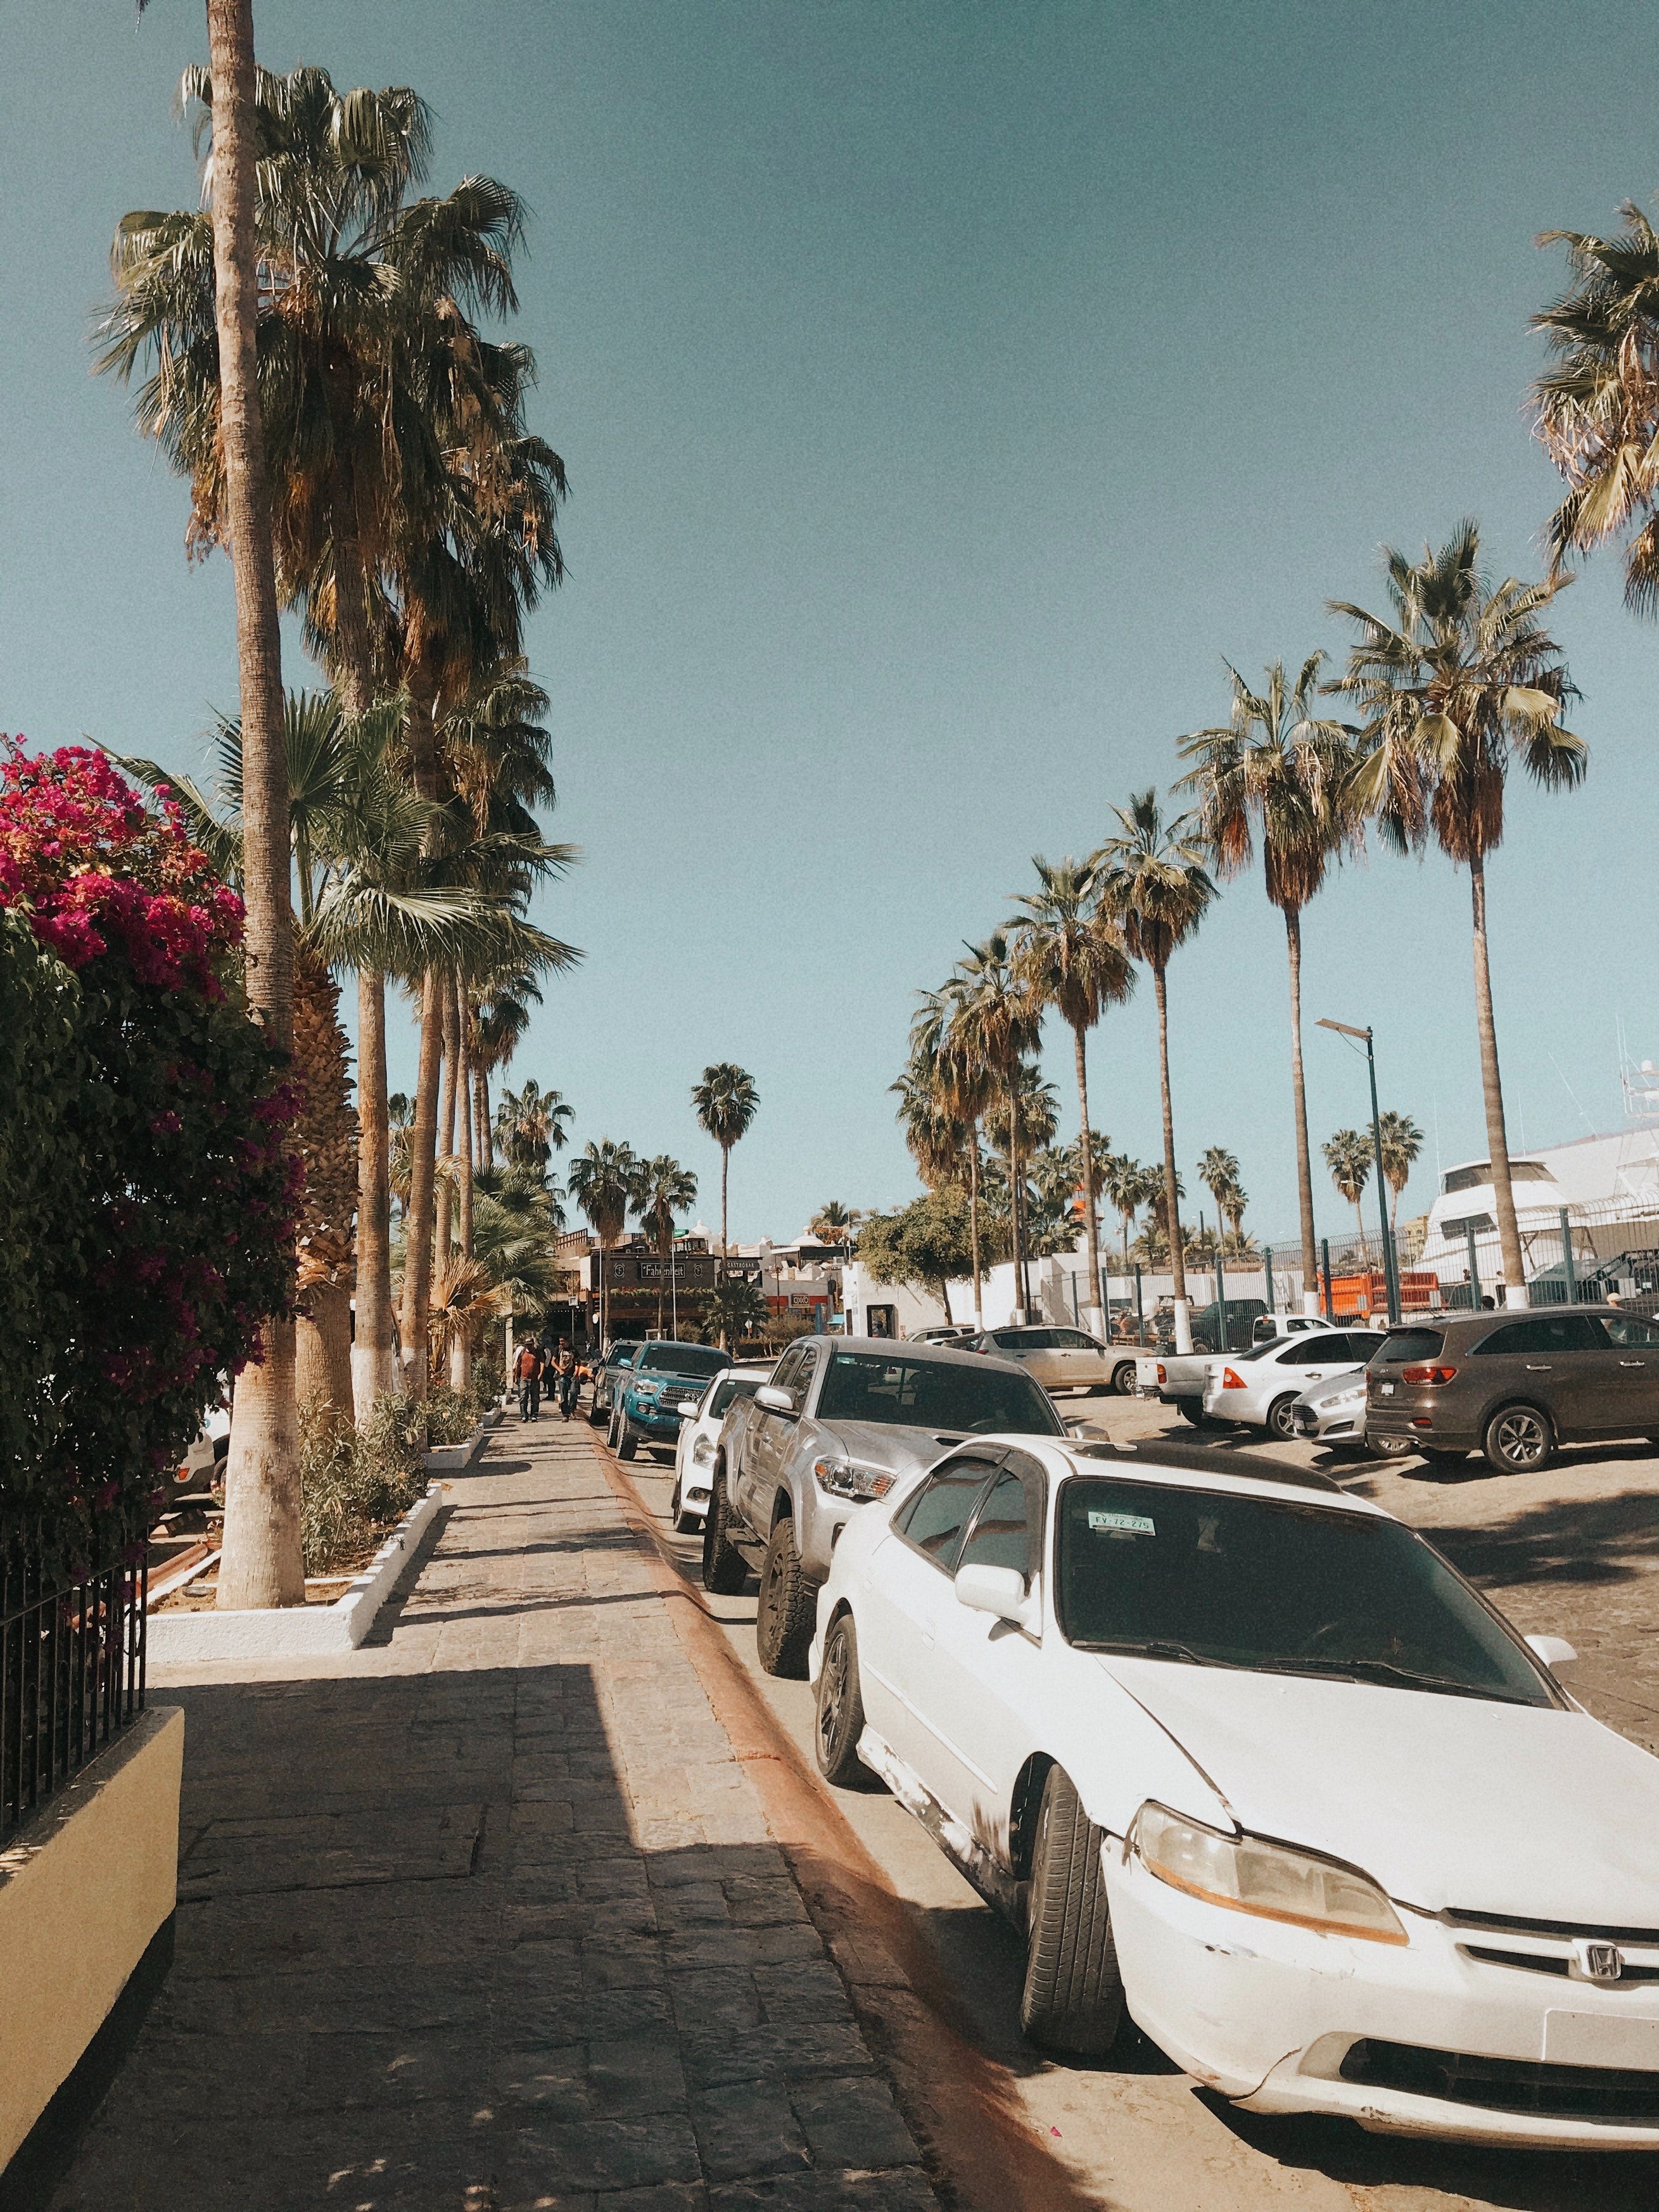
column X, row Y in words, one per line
column 1543, row 1332
column 1402, row 1345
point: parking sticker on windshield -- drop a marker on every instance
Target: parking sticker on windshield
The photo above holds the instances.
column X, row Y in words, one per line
column 1122, row 1524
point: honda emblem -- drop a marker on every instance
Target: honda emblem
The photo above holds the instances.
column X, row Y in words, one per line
column 1600, row 1962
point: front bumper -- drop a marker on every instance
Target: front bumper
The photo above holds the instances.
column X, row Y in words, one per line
column 1271, row 2016
column 655, row 1419
column 1321, row 1428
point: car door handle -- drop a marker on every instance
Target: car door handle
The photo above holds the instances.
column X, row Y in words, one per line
column 1538, row 1367
column 1632, row 1363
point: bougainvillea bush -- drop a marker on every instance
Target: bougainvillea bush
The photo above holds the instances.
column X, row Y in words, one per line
column 144, row 1173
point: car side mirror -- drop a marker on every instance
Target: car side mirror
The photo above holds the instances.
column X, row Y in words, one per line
column 688, row 1413
column 999, row 1591
column 1557, row 1654
column 772, row 1399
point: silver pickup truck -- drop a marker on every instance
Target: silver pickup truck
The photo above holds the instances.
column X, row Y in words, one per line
column 1178, row 1378
column 843, row 1420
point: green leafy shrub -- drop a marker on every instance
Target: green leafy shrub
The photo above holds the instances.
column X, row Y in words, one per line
column 356, row 1484
column 451, row 1415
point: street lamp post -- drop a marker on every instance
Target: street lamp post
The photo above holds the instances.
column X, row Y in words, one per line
column 1391, row 1282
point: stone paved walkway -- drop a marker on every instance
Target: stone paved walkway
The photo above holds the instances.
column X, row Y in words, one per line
column 488, row 1917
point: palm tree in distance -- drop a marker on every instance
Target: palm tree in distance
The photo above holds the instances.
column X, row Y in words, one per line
column 663, row 1189
column 727, row 1102
column 1071, row 955
column 1402, row 1140
column 531, row 1125
column 948, row 1083
column 1218, row 1170
column 1279, row 773
column 1458, row 678
column 1598, row 402
column 603, row 1179
column 834, row 1224
column 1348, row 1157
column 1152, row 879
column 993, row 1023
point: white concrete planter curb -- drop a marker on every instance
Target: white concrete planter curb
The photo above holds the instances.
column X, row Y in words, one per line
column 450, row 1459
column 294, row 1632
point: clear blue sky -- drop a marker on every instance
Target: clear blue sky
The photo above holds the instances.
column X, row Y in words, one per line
column 945, row 388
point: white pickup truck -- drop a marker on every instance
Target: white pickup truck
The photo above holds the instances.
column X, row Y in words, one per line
column 1178, row 1378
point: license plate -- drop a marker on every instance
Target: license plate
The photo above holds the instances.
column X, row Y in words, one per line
column 1596, row 2038
column 1385, row 1389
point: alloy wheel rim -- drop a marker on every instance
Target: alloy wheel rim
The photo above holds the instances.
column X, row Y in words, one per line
column 1522, row 1436
column 834, row 1691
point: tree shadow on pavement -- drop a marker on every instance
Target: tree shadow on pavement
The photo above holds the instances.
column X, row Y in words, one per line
column 1589, row 1540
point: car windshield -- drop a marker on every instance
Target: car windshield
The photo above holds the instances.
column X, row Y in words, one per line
column 1278, row 1587
column 934, row 1393
column 681, row 1359
column 727, row 1392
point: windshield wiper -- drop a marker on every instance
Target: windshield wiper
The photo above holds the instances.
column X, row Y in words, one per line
column 1377, row 1670
column 1150, row 1647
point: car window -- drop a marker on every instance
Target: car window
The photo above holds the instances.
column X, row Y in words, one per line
column 728, row 1393
column 1542, row 1334
column 802, row 1383
column 1073, row 1339
column 784, row 1374
column 1630, row 1332
column 681, row 1359
column 1007, row 1530
column 1314, row 1351
column 940, row 1393
column 1400, row 1346
column 935, row 1518
column 1362, row 1343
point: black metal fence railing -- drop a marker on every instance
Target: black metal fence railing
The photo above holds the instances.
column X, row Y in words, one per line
column 71, row 1676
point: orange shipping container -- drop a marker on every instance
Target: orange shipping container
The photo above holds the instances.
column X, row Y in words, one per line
column 1367, row 1295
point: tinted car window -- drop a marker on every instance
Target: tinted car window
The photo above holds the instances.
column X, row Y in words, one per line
column 784, row 1374
column 727, row 1393
column 1402, row 1345
column 1023, row 1339
column 683, row 1360
column 1007, row 1528
column 1543, row 1332
column 1314, row 1350
column 1630, row 1332
column 1279, row 1587
column 1073, row 1339
column 1363, row 1343
column 934, row 1519
column 934, row 1393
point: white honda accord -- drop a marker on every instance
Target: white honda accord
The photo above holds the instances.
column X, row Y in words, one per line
column 1245, row 1756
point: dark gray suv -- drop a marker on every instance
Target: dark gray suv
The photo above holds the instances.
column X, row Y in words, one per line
column 1515, row 1385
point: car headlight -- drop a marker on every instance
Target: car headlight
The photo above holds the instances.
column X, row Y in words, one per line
column 843, row 1478
column 702, row 1451
column 1268, row 1879
column 1344, row 1401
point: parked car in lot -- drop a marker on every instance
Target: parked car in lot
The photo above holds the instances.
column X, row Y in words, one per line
column 1247, row 1759
column 1332, row 1413
column 699, row 1438
column 953, row 1333
column 1177, row 1378
column 662, row 1376
column 1515, row 1386
column 1259, row 1388
column 617, row 1359
column 1059, row 1358
column 841, row 1421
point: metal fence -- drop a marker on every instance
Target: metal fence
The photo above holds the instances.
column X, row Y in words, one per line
column 71, row 1675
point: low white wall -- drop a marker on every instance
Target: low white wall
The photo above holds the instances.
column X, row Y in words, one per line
column 83, row 1889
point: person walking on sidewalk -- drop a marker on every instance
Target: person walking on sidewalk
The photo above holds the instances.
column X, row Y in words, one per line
column 567, row 1377
column 527, row 1373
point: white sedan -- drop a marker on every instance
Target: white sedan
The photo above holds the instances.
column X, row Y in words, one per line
column 1246, row 1757
column 699, row 1434
column 1260, row 1387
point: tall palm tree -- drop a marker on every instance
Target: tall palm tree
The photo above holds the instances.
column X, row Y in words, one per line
column 603, row 1179
column 1460, row 676
column 1278, row 772
column 500, row 1017
column 1152, row 879
column 949, row 1084
column 1122, row 1180
column 834, row 1223
column 727, row 1102
column 993, row 1022
column 531, row 1125
column 1071, row 955
column 1218, row 1170
column 1402, row 1140
column 1348, row 1157
column 1598, row 402
column 664, row 1190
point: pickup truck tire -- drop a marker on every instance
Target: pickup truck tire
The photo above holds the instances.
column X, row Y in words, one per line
column 1123, row 1378
column 627, row 1443
column 788, row 1605
column 1192, row 1409
column 840, row 1718
column 724, row 1569
column 1072, row 1999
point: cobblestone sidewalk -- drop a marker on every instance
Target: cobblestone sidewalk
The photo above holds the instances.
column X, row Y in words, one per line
column 489, row 1917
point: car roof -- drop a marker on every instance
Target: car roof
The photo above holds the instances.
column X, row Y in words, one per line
column 1499, row 1314
column 907, row 1347
column 749, row 1371
column 1192, row 1467
column 676, row 1344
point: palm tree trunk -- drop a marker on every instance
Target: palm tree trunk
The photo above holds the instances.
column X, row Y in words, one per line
column 262, row 1563
column 1171, row 1203
column 1299, row 1109
column 373, row 1371
column 480, row 1115
column 418, row 1238
column 1498, row 1143
column 973, row 1216
column 451, row 1040
column 1016, row 1220
column 322, row 1348
column 726, row 1163
column 460, row 1344
column 1099, row 1325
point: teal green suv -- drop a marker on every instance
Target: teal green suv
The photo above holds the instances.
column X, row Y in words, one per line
column 649, row 1394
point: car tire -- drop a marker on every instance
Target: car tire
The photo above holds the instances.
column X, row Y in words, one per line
column 610, row 1431
column 1192, row 1409
column 1280, row 1423
column 595, row 1411
column 787, row 1607
column 1519, row 1440
column 1123, row 1378
column 627, row 1443
column 839, row 1721
column 1073, row 1998
column 724, row 1569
